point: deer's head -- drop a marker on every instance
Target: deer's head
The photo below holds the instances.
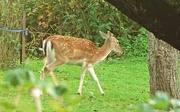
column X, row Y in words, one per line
column 114, row 43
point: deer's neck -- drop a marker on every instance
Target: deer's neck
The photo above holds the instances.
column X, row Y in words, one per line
column 103, row 51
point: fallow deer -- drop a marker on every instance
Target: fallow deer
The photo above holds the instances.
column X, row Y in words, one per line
column 77, row 51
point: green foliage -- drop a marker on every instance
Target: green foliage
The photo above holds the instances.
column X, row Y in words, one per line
column 19, row 76
column 135, row 46
column 8, row 105
column 162, row 101
column 56, row 91
column 82, row 18
column 23, row 78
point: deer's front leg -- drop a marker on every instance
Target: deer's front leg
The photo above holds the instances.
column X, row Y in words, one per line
column 92, row 73
column 83, row 72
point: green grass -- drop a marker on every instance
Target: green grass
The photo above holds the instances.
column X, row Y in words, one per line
column 125, row 83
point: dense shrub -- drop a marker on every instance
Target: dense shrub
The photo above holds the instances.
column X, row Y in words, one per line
column 82, row 18
column 135, row 45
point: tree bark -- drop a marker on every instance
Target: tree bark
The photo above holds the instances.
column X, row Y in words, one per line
column 163, row 67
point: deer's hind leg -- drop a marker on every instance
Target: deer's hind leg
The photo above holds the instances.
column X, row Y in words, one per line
column 43, row 71
column 50, row 67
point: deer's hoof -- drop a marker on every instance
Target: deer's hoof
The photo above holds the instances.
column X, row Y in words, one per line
column 80, row 94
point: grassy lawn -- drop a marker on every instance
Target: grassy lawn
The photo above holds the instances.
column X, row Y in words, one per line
column 125, row 83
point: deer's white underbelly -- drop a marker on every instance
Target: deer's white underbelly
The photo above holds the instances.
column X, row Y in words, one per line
column 76, row 62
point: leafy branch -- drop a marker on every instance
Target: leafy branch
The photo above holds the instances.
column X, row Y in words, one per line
column 162, row 102
column 23, row 78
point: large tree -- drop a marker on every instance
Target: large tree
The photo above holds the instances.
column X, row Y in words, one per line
column 163, row 67
column 161, row 17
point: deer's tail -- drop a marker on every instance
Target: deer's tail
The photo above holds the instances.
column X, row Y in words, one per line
column 48, row 50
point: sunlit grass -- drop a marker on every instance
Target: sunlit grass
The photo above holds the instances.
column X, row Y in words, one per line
column 125, row 83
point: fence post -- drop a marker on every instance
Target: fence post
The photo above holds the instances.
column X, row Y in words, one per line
column 23, row 41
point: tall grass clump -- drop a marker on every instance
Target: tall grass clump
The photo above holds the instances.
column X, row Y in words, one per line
column 10, row 18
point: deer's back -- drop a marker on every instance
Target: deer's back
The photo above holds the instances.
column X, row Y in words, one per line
column 72, row 48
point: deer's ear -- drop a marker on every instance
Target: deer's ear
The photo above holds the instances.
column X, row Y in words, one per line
column 110, row 35
column 105, row 36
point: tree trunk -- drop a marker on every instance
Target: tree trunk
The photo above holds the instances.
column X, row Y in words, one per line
column 163, row 67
